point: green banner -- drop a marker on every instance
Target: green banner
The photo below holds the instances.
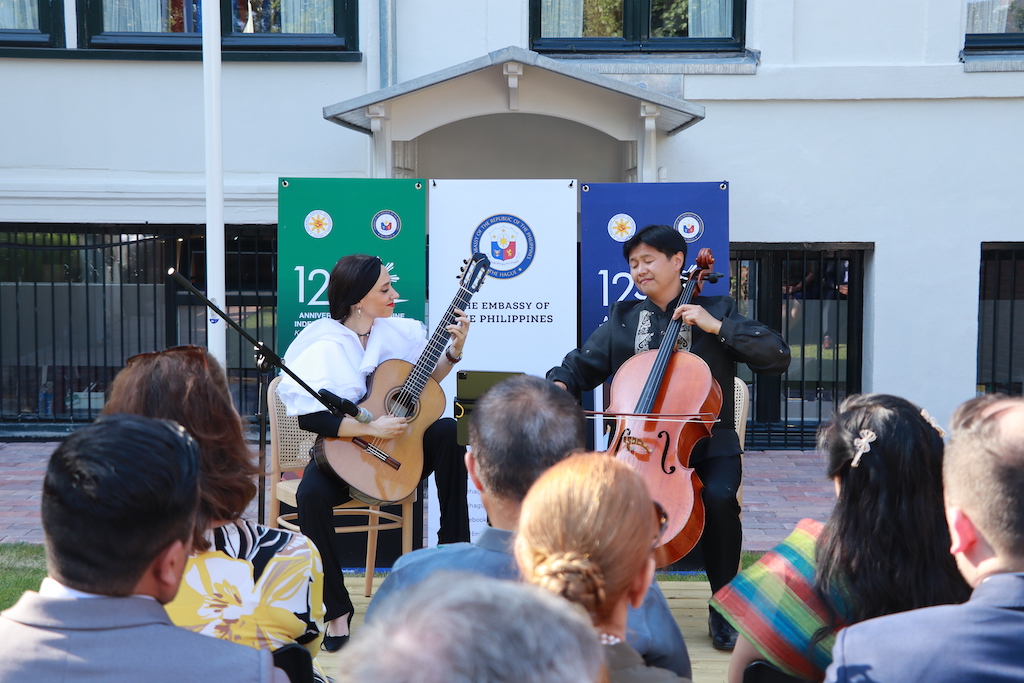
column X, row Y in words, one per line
column 322, row 219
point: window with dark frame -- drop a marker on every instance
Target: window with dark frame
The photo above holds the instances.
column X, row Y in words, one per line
column 596, row 26
column 258, row 25
column 1001, row 319
column 994, row 26
column 31, row 23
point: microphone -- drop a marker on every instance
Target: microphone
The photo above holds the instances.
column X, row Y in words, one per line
column 343, row 405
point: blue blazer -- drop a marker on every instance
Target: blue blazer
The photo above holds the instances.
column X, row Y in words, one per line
column 980, row 641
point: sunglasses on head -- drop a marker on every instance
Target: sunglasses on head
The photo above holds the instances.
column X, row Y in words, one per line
column 194, row 352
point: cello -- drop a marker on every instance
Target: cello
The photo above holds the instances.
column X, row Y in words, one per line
column 664, row 401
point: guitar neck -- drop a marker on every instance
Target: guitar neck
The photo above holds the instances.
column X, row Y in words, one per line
column 435, row 347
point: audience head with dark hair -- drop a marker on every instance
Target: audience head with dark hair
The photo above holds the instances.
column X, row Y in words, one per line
column 186, row 384
column 978, row 640
column 886, row 545
column 519, row 428
column 467, row 628
column 117, row 494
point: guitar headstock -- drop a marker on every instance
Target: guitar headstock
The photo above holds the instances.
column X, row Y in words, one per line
column 474, row 271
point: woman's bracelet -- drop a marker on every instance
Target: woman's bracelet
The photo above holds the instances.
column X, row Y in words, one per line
column 451, row 359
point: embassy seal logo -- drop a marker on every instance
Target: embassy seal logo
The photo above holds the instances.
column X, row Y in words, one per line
column 690, row 226
column 386, row 224
column 621, row 227
column 318, row 223
column 509, row 243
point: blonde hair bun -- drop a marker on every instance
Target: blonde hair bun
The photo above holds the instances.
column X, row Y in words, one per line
column 573, row 576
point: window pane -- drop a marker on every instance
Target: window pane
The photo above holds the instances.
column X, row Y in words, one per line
column 995, row 16
column 581, row 18
column 697, row 18
column 151, row 16
column 283, row 16
column 19, row 14
column 670, row 18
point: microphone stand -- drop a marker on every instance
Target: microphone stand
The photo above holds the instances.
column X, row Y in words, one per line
column 265, row 359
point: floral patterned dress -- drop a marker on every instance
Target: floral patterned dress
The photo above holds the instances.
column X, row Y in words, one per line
column 255, row 586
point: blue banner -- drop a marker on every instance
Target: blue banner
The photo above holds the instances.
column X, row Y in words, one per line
column 611, row 213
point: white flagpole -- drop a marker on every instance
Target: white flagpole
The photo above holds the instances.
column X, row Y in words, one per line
column 216, row 332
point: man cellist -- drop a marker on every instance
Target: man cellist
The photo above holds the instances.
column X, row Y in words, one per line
column 714, row 330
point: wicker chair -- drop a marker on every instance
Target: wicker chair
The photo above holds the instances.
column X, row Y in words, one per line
column 741, row 406
column 289, row 448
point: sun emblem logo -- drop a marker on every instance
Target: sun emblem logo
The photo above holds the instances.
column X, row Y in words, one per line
column 621, row 227
column 318, row 224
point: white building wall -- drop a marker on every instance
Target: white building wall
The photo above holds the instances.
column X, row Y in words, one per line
column 122, row 141
column 860, row 125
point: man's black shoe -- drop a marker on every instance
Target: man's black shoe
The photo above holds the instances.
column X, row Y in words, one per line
column 723, row 635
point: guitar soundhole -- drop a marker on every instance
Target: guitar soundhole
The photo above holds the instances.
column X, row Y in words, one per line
column 401, row 404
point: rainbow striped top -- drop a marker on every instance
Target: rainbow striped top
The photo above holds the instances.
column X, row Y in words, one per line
column 773, row 604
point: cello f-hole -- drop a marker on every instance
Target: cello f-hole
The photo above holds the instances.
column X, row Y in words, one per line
column 664, row 453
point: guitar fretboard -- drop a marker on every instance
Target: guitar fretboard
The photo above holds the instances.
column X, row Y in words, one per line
column 417, row 379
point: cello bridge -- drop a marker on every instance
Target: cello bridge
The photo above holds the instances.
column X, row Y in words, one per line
column 636, row 447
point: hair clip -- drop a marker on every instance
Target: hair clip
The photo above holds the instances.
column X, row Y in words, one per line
column 863, row 445
column 933, row 422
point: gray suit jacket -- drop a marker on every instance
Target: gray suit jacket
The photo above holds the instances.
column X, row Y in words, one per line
column 651, row 629
column 51, row 640
column 981, row 641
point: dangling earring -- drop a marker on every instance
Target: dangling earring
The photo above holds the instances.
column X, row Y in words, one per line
column 359, row 312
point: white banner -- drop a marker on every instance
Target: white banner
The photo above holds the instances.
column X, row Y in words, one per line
column 524, row 317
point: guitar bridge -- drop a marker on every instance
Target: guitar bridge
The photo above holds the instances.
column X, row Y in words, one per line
column 377, row 453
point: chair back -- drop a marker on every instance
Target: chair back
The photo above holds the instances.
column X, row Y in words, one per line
column 741, row 405
column 296, row 661
column 763, row 672
column 289, row 445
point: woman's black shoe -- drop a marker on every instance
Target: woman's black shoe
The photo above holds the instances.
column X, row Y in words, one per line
column 333, row 643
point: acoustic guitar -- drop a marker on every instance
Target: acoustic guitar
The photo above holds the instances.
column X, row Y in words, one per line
column 388, row 470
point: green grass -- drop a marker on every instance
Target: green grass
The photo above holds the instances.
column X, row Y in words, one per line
column 746, row 558
column 810, row 352
column 22, row 568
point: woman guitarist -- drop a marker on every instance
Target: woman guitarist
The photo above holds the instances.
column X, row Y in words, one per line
column 715, row 331
column 339, row 354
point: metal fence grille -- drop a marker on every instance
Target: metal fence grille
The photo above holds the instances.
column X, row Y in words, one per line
column 1001, row 319
column 813, row 294
column 76, row 301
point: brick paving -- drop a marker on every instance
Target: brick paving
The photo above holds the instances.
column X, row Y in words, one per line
column 21, row 478
column 779, row 489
